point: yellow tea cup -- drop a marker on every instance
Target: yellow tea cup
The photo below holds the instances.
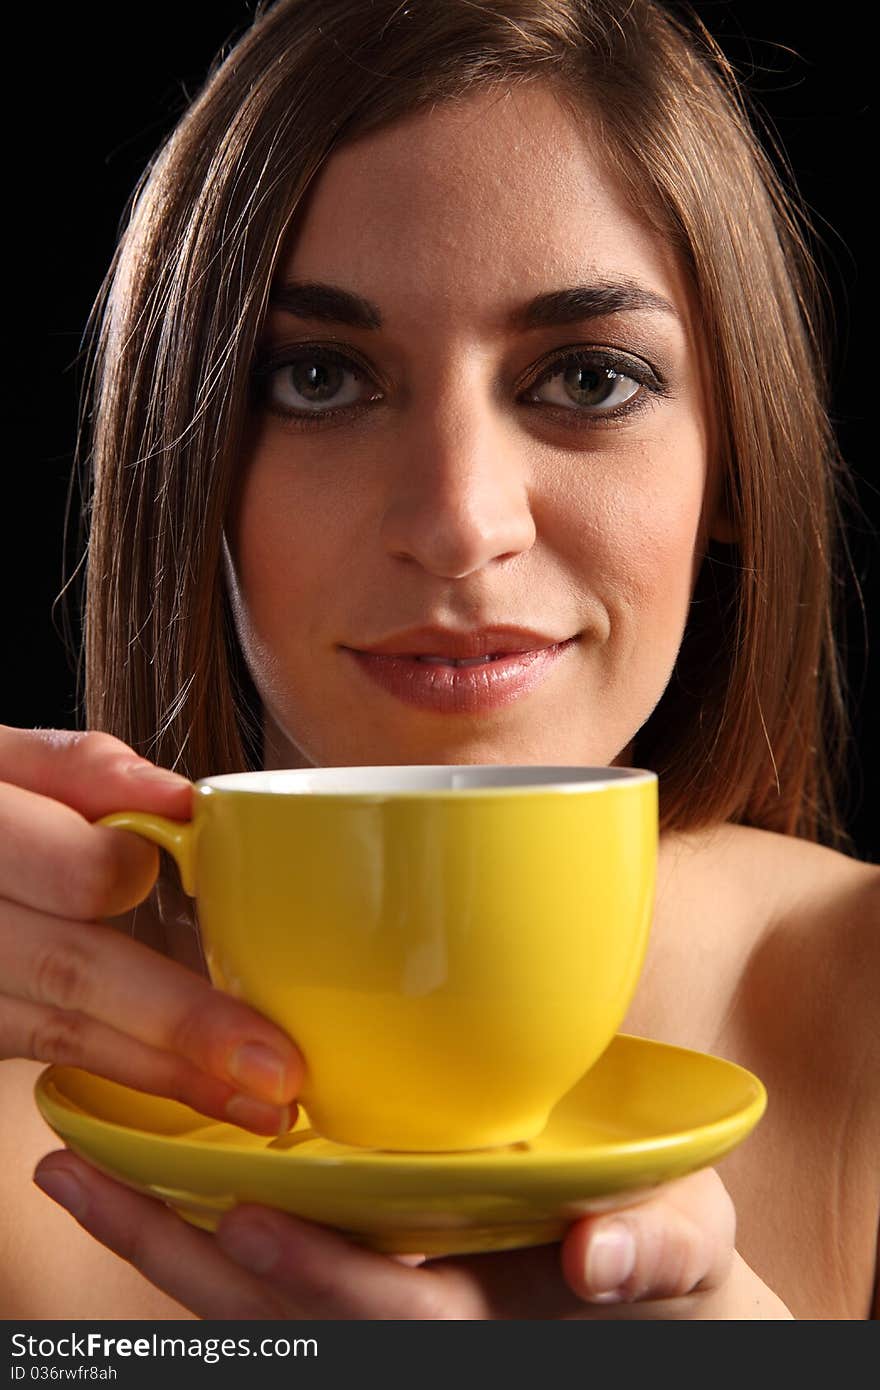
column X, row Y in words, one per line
column 450, row 947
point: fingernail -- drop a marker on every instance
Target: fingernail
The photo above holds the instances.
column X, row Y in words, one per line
column 64, row 1189
column 251, row 1246
column 255, row 1114
column 611, row 1259
column 258, row 1068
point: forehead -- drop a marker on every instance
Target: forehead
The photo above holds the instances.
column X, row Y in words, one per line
column 459, row 211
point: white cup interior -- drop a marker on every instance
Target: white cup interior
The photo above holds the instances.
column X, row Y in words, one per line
column 408, row 779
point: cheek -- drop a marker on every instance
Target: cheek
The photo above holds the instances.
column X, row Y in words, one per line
column 281, row 564
column 284, row 549
column 654, row 557
column 637, row 531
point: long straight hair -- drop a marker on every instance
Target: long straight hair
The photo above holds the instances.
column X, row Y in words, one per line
column 752, row 727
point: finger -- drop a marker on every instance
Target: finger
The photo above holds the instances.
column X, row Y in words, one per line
column 92, row 772
column 70, row 1039
column 53, row 860
column 100, row 975
column 677, row 1243
column 523, row 1283
column 322, row 1274
column 195, row 1268
column 185, row 1263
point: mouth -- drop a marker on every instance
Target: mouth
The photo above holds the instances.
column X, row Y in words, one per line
column 457, row 661
column 460, row 685
column 449, row 646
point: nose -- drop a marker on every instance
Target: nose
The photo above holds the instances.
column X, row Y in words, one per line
column 459, row 495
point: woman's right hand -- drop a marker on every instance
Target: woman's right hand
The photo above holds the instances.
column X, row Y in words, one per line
column 77, row 991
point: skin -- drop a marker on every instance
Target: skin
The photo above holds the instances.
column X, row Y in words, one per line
column 449, row 500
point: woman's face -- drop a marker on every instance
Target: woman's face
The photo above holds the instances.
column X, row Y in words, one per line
column 472, row 474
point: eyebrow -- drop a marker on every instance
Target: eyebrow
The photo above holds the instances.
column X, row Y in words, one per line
column 315, row 300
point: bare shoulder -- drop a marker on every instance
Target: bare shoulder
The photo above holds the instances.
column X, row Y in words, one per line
column 814, row 874
column 799, row 1010
column 784, row 879
column 815, row 962
column 833, row 917
column 805, row 923
column 825, row 902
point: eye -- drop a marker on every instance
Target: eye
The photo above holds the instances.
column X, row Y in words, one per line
column 311, row 382
column 584, row 382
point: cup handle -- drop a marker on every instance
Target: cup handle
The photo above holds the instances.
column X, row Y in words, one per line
column 175, row 836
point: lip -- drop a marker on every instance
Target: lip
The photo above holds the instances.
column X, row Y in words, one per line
column 442, row 641
column 461, row 689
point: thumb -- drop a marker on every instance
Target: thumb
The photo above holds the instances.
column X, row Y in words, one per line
column 679, row 1241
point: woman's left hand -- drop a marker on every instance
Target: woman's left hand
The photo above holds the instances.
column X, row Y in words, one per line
column 671, row 1256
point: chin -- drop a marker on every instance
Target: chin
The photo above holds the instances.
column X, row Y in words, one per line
column 383, row 745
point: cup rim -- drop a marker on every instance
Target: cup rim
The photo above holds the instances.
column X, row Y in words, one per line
column 298, row 781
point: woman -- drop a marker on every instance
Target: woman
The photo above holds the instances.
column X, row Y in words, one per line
column 456, row 317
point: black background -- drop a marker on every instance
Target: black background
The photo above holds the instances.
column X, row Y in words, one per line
column 103, row 86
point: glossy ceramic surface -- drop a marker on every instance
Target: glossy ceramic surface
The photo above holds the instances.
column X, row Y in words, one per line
column 646, row 1113
column 475, row 935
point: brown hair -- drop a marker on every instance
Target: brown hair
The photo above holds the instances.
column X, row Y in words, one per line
column 752, row 726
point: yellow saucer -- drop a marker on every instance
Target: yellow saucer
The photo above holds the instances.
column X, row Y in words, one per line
column 645, row 1113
